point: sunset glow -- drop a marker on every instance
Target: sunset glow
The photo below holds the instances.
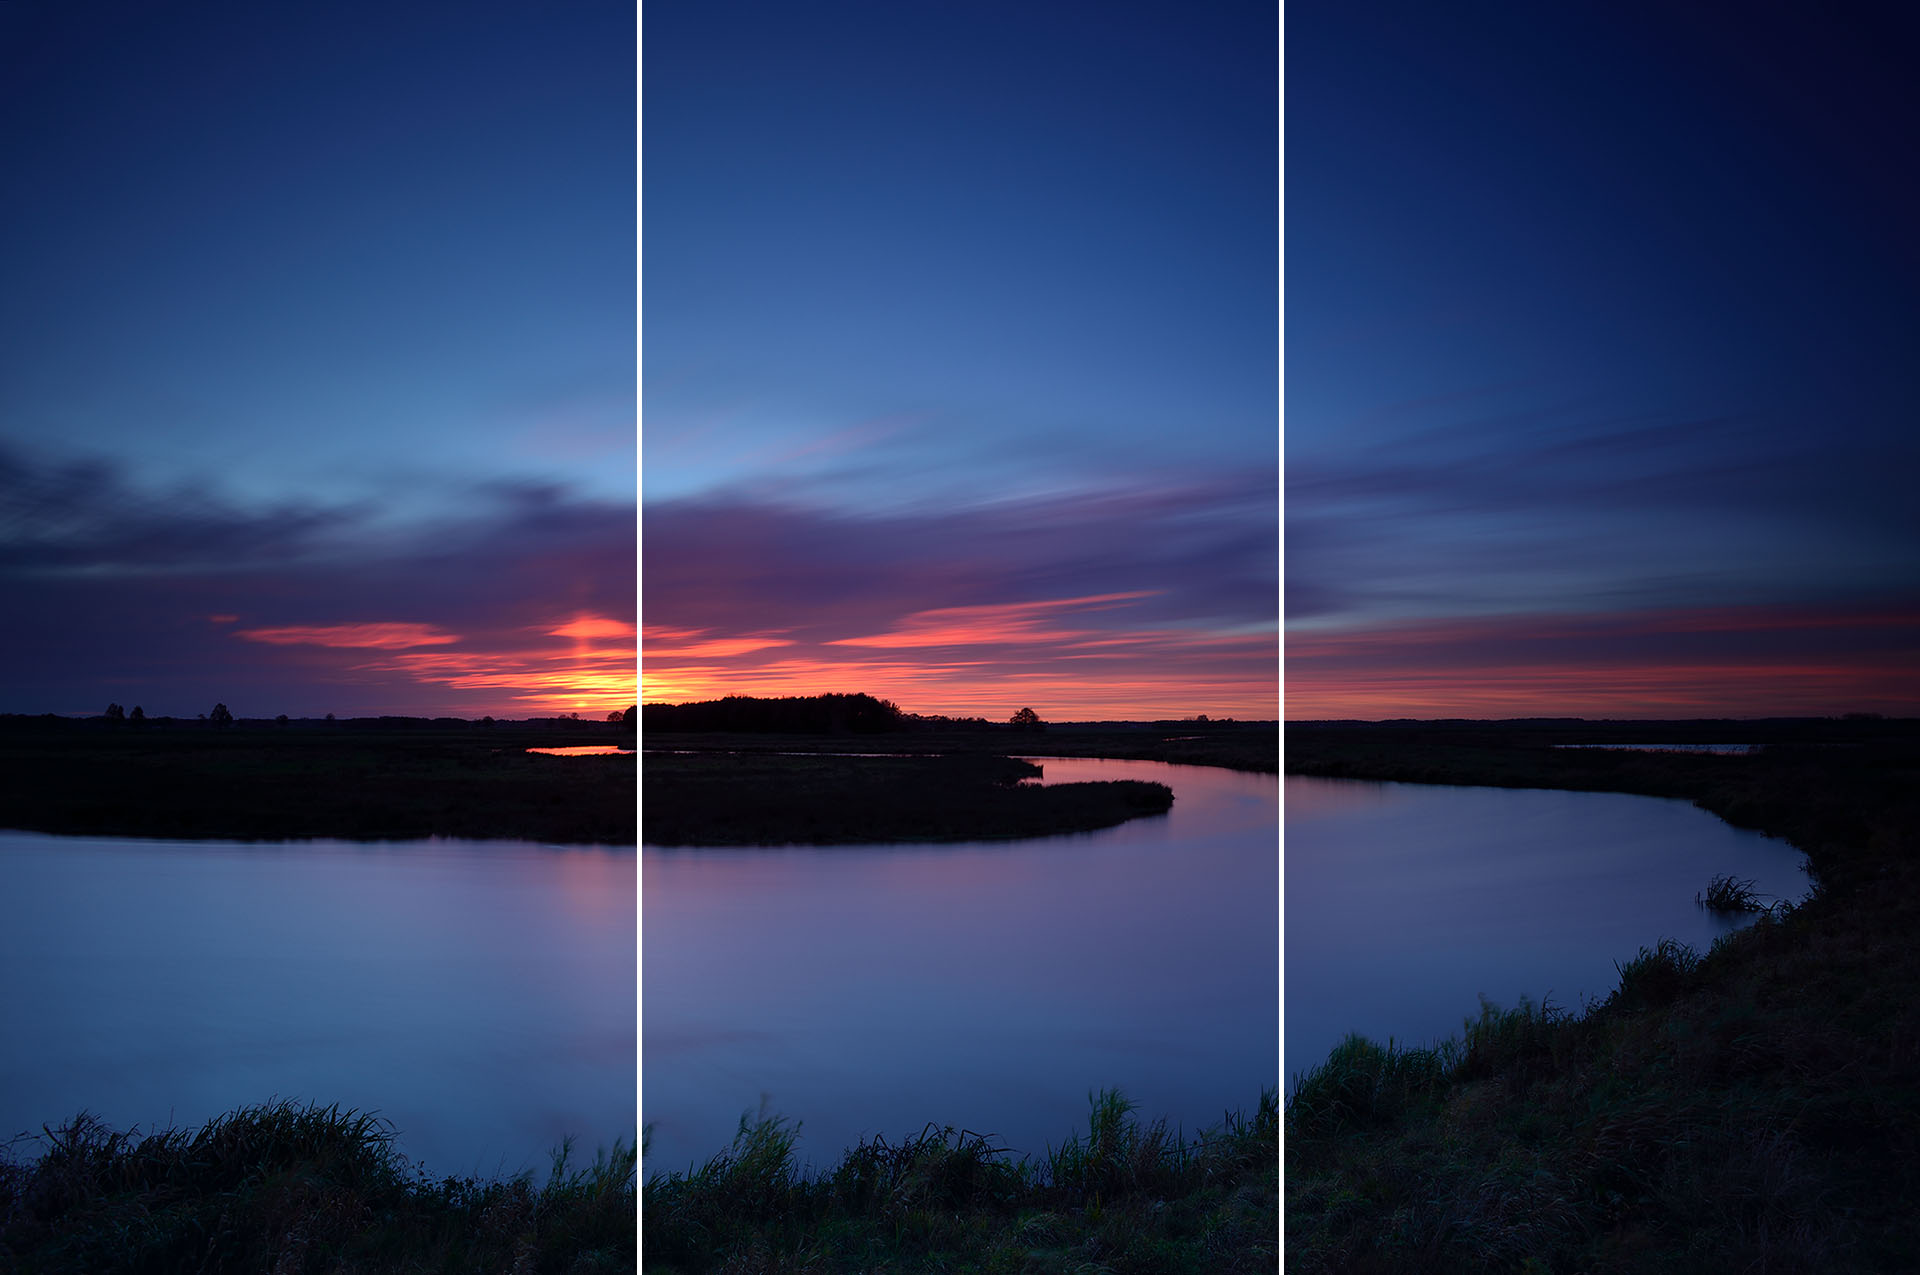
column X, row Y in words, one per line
column 986, row 661
column 1729, row 662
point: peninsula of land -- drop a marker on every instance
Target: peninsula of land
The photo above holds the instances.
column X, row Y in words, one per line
column 851, row 769
column 365, row 779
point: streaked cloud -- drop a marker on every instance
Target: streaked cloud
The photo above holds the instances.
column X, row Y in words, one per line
column 175, row 598
column 390, row 636
column 1016, row 622
column 1690, row 662
column 1083, row 603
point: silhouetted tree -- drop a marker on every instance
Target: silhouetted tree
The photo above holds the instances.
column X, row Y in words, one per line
column 809, row 715
column 280, row 720
column 139, row 714
column 632, row 712
column 616, row 716
column 221, row 717
column 115, row 713
column 1027, row 719
column 329, row 716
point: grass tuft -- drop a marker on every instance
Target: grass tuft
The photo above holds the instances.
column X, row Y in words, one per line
column 293, row 1188
column 1123, row 1197
column 1729, row 894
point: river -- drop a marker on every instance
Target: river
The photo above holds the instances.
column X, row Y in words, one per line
column 985, row 985
column 478, row 994
column 1406, row 903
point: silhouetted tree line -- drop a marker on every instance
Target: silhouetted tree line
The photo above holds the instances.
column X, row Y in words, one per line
column 808, row 715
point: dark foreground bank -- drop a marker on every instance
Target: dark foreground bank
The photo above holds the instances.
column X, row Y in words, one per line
column 298, row 1190
column 1125, row 1197
column 776, row 799
column 1750, row 1108
column 360, row 780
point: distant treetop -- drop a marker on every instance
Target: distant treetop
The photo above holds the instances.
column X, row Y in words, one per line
column 800, row 715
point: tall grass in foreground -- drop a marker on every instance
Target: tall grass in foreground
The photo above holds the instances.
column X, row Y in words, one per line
column 1123, row 1197
column 1750, row 1109
column 290, row 1189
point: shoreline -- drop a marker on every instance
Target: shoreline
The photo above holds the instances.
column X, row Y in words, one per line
column 1750, row 1105
column 713, row 799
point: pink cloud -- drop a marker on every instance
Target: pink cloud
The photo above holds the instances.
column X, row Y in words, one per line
column 383, row 637
column 1016, row 622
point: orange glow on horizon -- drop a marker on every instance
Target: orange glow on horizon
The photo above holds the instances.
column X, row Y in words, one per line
column 583, row 673
column 1139, row 676
column 1746, row 662
column 592, row 626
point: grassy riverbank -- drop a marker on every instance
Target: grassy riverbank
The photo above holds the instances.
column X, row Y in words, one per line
column 1124, row 1197
column 1749, row 1108
column 769, row 798
column 364, row 780
column 293, row 1190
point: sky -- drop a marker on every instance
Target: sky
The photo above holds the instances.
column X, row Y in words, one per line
column 960, row 356
column 1600, row 323
column 317, row 358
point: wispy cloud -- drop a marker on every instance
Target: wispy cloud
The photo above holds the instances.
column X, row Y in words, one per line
column 173, row 599
column 388, row 636
column 1729, row 661
column 995, row 624
column 1120, row 602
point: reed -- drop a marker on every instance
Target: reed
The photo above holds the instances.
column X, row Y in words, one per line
column 1123, row 1197
column 290, row 1187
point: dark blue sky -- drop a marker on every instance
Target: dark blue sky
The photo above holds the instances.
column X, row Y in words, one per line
column 309, row 311
column 979, row 303
column 1599, row 311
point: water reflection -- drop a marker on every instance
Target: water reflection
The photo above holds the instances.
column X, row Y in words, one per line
column 988, row 985
column 1406, row 902
column 585, row 750
column 479, row 995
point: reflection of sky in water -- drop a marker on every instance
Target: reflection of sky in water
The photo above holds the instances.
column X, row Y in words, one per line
column 1407, row 902
column 585, row 750
column 479, row 995
column 989, row 985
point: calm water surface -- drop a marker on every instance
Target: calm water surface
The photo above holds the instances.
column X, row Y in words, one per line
column 478, row 994
column 986, row 985
column 1407, row 902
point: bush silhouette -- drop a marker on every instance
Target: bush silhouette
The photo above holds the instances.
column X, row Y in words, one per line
column 220, row 716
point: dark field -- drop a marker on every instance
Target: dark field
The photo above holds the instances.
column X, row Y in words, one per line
column 1755, row 1107
column 766, row 798
column 386, row 779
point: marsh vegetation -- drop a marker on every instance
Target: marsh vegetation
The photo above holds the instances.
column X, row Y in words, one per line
column 823, row 799
column 1746, row 1108
column 365, row 779
column 296, row 1188
column 1124, row 1196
